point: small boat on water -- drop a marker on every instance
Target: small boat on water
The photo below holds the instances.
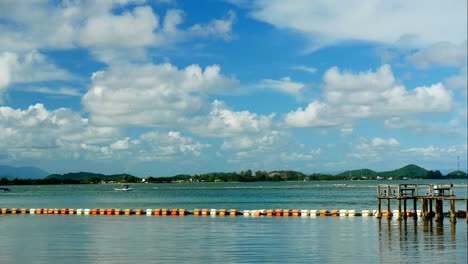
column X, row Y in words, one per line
column 4, row 189
column 125, row 188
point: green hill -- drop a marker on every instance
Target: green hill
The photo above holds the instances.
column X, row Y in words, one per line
column 409, row 171
column 358, row 173
column 457, row 175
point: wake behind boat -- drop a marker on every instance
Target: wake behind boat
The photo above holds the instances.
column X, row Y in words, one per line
column 124, row 187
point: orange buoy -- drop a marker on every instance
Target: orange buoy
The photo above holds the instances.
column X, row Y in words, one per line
column 182, row 212
column 110, row 211
column 94, row 211
column 323, row 212
column 71, row 211
column 174, row 211
column 296, row 212
column 24, row 210
column 196, row 212
column 138, row 211
column 278, row 212
column 117, row 211
column 64, row 211
column 286, row 212
column 233, row 212
column 222, row 212
column 157, row 211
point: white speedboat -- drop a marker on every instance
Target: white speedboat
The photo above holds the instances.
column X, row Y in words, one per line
column 125, row 188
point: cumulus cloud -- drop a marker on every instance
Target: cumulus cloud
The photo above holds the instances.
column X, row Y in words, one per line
column 406, row 22
column 28, row 68
column 95, row 24
column 223, row 122
column 47, row 132
column 444, row 54
column 316, row 114
column 134, row 28
column 151, row 95
column 170, row 146
column 349, row 96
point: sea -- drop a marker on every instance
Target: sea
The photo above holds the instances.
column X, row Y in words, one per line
column 32, row 238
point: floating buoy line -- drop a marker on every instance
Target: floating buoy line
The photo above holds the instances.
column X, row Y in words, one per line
column 207, row 212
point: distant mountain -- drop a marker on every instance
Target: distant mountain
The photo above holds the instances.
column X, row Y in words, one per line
column 11, row 172
column 93, row 176
column 410, row 171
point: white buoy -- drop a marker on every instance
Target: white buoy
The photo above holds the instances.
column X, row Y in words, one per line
column 86, row 211
column 343, row 212
column 149, row 211
column 32, row 211
column 79, row 211
column 351, row 212
column 313, row 213
column 366, row 213
column 213, row 212
column 305, row 213
column 246, row 212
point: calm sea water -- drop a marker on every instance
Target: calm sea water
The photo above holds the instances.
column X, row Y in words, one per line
column 191, row 239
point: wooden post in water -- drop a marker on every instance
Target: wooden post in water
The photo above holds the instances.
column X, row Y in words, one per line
column 379, row 208
column 399, row 209
column 389, row 212
column 405, row 214
column 439, row 213
column 424, row 208
column 431, row 212
column 415, row 206
column 453, row 214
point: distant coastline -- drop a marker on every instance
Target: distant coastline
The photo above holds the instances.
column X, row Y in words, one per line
column 407, row 172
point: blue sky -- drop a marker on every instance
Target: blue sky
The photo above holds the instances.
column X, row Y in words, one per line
column 165, row 87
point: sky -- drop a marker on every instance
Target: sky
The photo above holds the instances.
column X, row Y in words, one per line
column 166, row 87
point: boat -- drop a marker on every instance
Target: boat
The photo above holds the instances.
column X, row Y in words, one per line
column 4, row 189
column 125, row 188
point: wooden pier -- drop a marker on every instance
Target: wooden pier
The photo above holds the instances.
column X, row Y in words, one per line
column 428, row 194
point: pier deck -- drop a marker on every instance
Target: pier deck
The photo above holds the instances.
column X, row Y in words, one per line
column 426, row 193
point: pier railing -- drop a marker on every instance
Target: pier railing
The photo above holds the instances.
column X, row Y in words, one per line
column 399, row 191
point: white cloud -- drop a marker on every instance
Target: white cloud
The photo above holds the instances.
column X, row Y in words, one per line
column 151, row 95
column 304, row 68
column 316, row 114
column 130, row 29
column 380, row 142
column 434, row 151
column 349, row 96
column 28, row 68
column 47, row 133
column 170, row 146
column 223, row 122
column 285, row 85
column 67, row 91
column 445, row 54
column 459, row 81
column 400, row 21
column 33, row 25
